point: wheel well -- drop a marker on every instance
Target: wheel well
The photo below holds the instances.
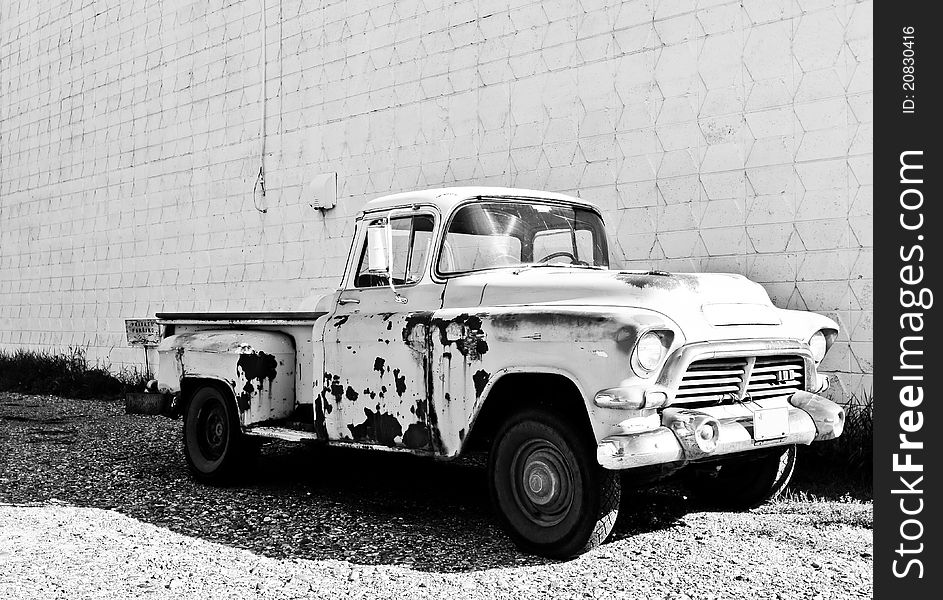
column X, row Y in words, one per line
column 189, row 385
column 519, row 391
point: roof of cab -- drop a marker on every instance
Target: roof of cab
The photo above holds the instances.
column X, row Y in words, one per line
column 445, row 199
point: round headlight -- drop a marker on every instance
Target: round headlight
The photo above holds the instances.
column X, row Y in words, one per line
column 818, row 346
column 649, row 351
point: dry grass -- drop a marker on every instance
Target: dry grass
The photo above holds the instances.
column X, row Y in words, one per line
column 67, row 374
column 843, row 467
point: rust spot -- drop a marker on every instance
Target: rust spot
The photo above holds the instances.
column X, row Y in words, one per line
column 658, row 280
column 548, row 320
column 319, row 427
column 378, row 427
column 400, row 382
column 337, row 390
column 416, row 436
column 471, row 344
column 480, row 378
column 257, row 366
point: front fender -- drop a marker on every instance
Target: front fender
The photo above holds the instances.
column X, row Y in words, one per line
column 589, row 346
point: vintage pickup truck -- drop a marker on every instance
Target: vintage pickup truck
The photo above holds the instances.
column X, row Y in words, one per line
column 489, row 319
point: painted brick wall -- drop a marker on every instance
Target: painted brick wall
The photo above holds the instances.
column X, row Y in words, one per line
column 717, row 135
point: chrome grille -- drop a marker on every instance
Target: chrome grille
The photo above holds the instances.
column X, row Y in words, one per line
column 721, row 380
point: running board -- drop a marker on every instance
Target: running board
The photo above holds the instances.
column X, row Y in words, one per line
column 281, row 433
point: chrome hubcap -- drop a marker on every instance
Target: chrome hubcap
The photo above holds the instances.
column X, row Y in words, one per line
column 543, row 482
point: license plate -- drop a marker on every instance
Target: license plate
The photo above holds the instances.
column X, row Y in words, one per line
column 770, row 423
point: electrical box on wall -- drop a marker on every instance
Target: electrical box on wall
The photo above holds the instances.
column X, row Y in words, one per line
column 322, row 191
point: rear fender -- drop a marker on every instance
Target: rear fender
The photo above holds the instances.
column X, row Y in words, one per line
column 258, row 366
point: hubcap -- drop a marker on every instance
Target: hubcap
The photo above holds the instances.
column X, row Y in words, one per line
column 212, row 429
column 543, row 482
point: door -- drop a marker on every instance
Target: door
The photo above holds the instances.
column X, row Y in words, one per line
column 377, row 381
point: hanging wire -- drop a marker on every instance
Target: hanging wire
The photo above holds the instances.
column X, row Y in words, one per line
column 259, row 184
column 260, row 178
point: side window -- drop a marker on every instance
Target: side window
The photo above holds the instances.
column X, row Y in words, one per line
column 420, row 247
column 412, row 244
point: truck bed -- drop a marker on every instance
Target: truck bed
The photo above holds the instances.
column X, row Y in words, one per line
column 296, row 324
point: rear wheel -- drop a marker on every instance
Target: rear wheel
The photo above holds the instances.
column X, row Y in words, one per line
column 743, row 482
column 552, row 497
column 213, row 442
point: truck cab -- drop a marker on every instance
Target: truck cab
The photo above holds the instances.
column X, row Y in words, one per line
column 489, row 319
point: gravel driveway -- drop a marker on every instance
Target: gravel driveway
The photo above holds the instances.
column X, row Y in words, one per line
column 97, row 503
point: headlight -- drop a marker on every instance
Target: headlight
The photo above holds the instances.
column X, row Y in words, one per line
column 818, row 346
column 649, row 351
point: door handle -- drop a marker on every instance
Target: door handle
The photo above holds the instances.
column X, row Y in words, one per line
column 349, row 301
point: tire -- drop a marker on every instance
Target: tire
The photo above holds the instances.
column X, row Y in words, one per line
column 743, row 482
column 551, row 496
column 213, row 442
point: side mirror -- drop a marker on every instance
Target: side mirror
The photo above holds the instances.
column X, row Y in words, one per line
column 377, row 251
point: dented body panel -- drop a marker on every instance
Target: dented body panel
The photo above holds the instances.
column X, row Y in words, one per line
column 411, row 370
column 376, row 388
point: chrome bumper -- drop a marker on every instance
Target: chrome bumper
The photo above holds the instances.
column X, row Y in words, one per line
column 683, row 435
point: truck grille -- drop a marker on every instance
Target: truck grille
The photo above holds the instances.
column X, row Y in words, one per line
column 721, row 380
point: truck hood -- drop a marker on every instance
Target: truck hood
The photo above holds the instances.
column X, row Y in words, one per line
column 703, row 305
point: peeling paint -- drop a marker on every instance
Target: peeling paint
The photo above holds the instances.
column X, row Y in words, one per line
column 416, row 436
column 337, row 390
column 400, row 382
column 658, row 280
column 378, row 365
column 465, row 331
column 319, row 421
column 378, row 426
column 255, row 366
column 480, row 378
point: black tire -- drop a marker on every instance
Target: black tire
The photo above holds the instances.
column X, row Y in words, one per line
column 213, row 442
column 551, row 496
column 743, row 482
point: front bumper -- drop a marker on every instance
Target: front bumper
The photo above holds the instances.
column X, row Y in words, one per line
column 682, row 436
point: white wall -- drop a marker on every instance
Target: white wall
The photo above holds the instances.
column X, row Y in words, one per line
column 731, row 136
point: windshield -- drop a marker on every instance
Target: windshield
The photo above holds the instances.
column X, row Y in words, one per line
column 489, row 235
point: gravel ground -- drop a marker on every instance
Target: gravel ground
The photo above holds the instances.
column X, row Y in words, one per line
column 96, row 503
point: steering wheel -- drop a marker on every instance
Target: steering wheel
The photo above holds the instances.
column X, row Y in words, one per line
column 554, row 255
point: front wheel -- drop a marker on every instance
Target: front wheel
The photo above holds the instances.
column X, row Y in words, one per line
column 552, row 497
column 743, row 482
column 212, row 440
